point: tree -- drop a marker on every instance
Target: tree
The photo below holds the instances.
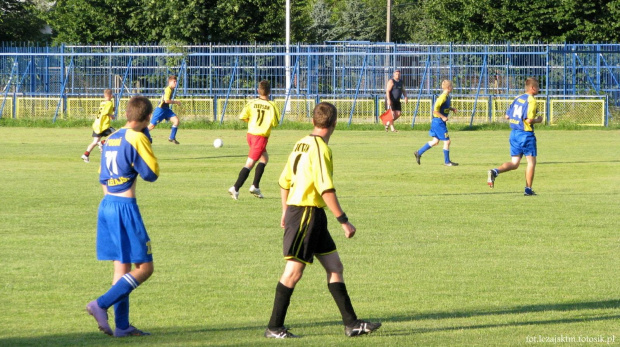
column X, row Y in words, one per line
column 357, row 23
column 78, row 21
column 20, row 21
column 322, row 27
column 179, row 21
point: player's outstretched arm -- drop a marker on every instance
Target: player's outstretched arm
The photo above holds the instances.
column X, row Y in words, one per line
column 331, row 200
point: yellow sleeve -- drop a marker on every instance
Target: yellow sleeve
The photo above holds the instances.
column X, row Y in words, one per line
column 167, row 94
column 145, row 162
column 245, row 114
column 440, row 101
column 531, row 107
column 286, row 175
column 109, row 109
column 276, row 115
column 322, row 169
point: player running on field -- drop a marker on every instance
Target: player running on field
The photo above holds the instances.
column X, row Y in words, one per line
column 306, row 188
column 261, row 115
column 439, row 130
column 522, row 116
column 101, row 125
column 121, row 235
column 164, row 112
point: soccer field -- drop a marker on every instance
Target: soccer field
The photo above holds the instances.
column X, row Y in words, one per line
column 439, row 258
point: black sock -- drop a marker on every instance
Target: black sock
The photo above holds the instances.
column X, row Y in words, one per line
column 280, row 306
column 258, row 173
column 243, row 175
column 340, row 295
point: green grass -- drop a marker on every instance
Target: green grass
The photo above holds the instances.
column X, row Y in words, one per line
column 439, row 258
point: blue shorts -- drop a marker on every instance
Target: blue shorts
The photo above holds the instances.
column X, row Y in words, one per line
column 161, row 114
column 522, row 143
column 439, row 129
column 120, row 232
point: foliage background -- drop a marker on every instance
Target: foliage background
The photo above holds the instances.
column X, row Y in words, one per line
column 313, row 21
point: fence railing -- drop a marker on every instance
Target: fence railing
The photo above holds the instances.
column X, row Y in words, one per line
column 331, row 71
column 585, row 110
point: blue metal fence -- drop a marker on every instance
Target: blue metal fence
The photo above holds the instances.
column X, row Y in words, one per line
column 336, row 70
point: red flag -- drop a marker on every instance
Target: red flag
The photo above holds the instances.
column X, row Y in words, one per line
column 386, row 117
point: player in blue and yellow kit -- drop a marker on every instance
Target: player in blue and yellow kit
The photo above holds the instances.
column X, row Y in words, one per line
column 164, row 112
column 307, row 186
column 101, row 125
column 522, row 116
column 261, row 115
column 121, row 235
column 439, row 130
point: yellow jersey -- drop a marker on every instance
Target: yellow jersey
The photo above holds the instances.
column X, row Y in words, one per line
column 102, row 122
column 261, row 116
column 167, row 95
column 308, row 172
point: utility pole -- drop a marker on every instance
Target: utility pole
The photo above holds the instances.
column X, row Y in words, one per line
column 389, row 21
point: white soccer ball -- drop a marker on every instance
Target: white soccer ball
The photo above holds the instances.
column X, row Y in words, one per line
column 217, row 143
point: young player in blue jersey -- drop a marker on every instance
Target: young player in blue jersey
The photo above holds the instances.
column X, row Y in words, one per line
column 439, row 130
column 121, row 235
column 522, row 116
column 163, row 111
column 101, row 125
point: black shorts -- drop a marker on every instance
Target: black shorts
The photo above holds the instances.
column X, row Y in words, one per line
column 306, row 234
column 395, row 105
column 104, row 133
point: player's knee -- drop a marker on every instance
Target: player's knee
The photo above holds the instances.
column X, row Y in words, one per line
column 291, row 277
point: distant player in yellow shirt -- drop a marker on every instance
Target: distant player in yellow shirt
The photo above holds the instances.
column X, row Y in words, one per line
column 307, row 186
column 261, row 115
column 101, row 125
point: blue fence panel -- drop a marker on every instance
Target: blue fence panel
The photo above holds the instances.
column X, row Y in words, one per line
column 330, row 70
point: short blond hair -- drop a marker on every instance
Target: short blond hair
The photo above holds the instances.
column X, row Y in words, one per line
column 445, row 84
column 107, row 92
column 531, row 82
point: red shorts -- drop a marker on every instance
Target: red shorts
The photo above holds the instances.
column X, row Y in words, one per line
column 258, row 145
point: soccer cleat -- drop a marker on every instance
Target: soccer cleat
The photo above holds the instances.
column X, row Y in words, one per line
column 417, row 157
column 529, row 192
column 491, row 178
column 256, row 192
column 173, row 141
column 85, row 158
column 451, row 163
column 131, row 331
column 233, row 193
column 101, row 316
column 361, row 327
column 279, row 333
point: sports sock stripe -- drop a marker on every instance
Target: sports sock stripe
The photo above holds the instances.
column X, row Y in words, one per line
column 132, row 281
